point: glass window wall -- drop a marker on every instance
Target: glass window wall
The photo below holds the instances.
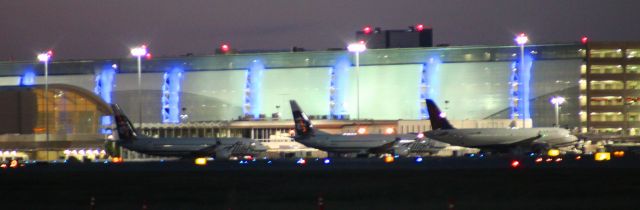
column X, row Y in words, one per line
column 606, row 101
column 633, row 85
column 633, row 69
column 606, row 53
column 606, row 69
column 607, row 85
column 607, row 117
column 633, row 53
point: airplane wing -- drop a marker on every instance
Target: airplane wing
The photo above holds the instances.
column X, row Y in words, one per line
column 503, row 148
column 385, row 148
column 526, row 142
column 207, row 151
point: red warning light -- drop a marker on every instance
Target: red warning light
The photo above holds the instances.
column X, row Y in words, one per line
column 515, row 164
column 419, row 27
column 367, row 30
column 148, row 56
column 225, row 48
column 584, row 39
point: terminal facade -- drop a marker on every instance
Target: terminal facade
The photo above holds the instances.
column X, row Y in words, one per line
column 248, row 94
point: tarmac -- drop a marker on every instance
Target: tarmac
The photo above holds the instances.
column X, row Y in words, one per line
column 406, row 183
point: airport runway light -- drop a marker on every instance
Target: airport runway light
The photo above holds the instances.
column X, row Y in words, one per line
column 357, row 48
column 389, row 159
column 515, row 164
column 138, row 52
column 327, row 161
column 556, row 101
column 553, row 153
column 522, row 39
column 44, row 58
column 602, row 156
column 201, row 161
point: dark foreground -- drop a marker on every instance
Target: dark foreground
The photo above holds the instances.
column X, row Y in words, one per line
column 344, row 184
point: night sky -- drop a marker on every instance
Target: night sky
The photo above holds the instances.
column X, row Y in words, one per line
column 85, row 29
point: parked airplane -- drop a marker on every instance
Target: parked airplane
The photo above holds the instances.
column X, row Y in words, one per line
column 309, row 136
column 182, row 147
column 497, row 139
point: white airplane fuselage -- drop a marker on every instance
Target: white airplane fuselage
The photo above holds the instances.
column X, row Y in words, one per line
column 184, row 147
column 351, row 143
column 485, row 137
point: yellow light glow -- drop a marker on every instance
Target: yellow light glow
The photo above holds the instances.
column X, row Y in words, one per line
column 618, row 154
column 201, row 161
column 362, row 130
column 553, row 152
column 389, row 131
column 602, row 156
column 389, row 159
column 117, row 160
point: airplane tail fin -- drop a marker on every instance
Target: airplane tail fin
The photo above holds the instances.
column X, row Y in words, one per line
column 438, row 120
column 126, row 131
column 303, row 126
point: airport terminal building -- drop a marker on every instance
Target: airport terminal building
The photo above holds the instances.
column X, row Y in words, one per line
column 248, row 94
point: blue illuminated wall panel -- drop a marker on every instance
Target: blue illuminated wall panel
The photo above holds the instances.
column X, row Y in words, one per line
column 171, row 96
column 339, row 86
column 308, row 86
column 253, row 100
column 105, row 78
column 520, row 88
column 430, row 85
column 28, row 78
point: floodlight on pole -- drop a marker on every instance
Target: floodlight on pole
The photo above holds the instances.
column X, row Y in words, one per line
column 522, row 39
column 357, row 48
column 138, row 52
column 556, row 101
column 44, row 58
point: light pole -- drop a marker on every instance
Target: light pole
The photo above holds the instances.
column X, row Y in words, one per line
column 139, row 52
column 44, row 58
column 522, row 39
column 556, row 101
column 357, row 48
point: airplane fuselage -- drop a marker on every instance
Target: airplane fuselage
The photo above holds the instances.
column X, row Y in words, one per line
column 193, row 147
column 487, row 137
column 351, row 143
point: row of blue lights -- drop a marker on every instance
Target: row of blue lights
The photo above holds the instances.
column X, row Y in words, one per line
column 521, row 93
column 338, row 87
column 430, row 84
column 253, row 96
column 171, row 96
column 104, row 87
